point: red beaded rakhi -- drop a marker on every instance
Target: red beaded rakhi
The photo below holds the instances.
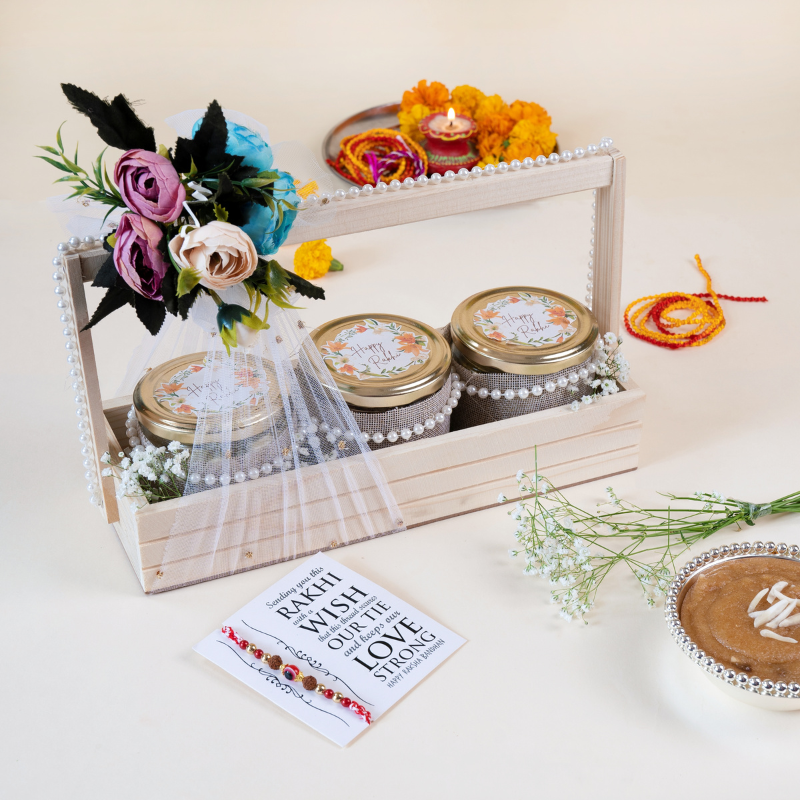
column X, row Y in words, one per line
column 292, row 674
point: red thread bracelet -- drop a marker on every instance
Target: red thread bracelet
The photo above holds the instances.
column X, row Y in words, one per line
column 293, row 674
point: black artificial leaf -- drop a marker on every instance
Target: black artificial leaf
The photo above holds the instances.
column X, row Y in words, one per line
column 114, row 298
column 185, row 302
column 169, row 290
column 151, row 313
column 304, row 287
column 109, row 248
column 207, row 146
column 107, row 275
column 240, row 172
column 260, row 274
column 116, row 122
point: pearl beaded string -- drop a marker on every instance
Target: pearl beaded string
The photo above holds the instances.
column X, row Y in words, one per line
column 568, row 382
column 463, row 174
column 67, row 319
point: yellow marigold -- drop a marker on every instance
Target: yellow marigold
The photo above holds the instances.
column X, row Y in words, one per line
column 468, row 98
column 520, row 110
column 491, row 146
column 490, row 105
column 436, row 96
column 409, row 121
column 314, row 259
column 529, row 139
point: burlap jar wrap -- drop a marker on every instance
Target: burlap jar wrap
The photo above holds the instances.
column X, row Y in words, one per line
column 405, row 418
column 475, row 410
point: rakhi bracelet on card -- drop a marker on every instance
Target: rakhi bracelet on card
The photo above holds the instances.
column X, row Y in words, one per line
column 293, row 674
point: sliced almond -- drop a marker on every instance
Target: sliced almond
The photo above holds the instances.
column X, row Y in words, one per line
column 794, row 620
column 755, row 601
column 768, row 634
column 782, row 616
column 770, row 613
column 773, row 592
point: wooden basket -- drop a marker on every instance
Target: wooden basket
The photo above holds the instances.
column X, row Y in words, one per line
column 433, row 478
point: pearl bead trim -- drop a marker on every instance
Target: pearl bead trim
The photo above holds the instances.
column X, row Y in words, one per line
column 570, row 383
column 463, row 174
column 75, row 245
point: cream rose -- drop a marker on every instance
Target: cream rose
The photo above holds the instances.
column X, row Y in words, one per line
column 221, row 253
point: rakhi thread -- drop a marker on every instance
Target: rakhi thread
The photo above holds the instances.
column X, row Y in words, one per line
column 706, row 317
column 379, row 154
column 293, row 674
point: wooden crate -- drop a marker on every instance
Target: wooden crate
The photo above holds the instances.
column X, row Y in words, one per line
column 431, row 479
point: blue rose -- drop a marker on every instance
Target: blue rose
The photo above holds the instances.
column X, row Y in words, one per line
column 244, row 142
column 262, row 222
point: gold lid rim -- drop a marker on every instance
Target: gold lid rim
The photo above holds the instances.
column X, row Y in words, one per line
column 166, row 425
column 478, row 351
column 388, row 393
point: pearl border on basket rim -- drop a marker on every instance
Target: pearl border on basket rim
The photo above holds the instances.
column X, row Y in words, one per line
column 750, row 683
column 463, row 174
column 75, row 245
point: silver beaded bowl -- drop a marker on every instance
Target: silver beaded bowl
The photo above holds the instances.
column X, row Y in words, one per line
column 741, row 686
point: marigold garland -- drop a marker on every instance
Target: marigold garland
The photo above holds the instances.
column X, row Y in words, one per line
column 505, row 132
column 705, row 318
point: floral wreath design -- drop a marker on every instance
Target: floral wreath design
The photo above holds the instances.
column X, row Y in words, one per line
column 338, row 354
column 173, row 393
column 558, row 316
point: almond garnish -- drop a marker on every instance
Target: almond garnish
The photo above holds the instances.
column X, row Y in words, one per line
column 768, row 634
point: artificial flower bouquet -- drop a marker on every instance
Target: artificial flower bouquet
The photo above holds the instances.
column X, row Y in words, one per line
column 199, row 218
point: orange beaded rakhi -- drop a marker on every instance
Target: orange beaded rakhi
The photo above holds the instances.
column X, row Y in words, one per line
column 705, row 318
column 292, row 674
column 380, row 154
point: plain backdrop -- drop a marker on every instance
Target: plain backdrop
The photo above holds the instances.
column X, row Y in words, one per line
column 101, row 693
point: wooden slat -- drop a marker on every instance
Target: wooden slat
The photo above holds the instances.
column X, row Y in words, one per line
column 609, row 222
column 421, row 203
column 85, row 351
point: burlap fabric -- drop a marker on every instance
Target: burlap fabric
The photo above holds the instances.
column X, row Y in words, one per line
column 474, row 410
column 406, row 417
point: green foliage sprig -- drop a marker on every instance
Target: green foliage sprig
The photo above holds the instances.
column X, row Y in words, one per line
column 575, row 549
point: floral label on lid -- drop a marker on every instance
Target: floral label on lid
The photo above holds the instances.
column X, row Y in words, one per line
column 186, row 391
column 528, row 319
column 373, row 349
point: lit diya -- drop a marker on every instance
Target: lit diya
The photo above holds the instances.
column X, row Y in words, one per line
column 448, row 142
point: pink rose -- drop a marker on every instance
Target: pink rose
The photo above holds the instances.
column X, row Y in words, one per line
column 149, row 185
column 137, row 258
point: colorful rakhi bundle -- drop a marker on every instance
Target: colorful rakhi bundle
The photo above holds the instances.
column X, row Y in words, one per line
column 379, row 154
column 198, row 219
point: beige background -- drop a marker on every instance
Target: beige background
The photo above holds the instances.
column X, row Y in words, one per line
column 101, row 693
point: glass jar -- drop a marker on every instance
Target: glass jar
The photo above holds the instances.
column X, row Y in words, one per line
column 393, row 372
column 240, row 410
column 520, row 349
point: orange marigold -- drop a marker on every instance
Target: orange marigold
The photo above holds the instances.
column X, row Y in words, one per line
column 529, row 139
column 435, row 97
column 468, row 98
column 520, row 110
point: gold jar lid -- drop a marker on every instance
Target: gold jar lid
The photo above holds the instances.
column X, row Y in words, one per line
column 169, row 396
column 522, row 330
column 383, row 361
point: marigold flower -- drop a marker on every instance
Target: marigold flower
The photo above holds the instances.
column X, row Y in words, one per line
column 409, row 121
column 490, row 105
column 520, row 110
column 436, row 96
column 468, row 98
column 529, row 139
column 314, row 259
